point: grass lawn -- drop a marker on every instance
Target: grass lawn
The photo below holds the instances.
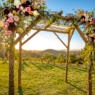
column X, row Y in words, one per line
column 46, row 79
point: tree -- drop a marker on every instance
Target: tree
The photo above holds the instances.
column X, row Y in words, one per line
column 48, row 58
column 60, row 59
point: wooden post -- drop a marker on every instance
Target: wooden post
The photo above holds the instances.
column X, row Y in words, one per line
column 81, row 34
column 11, row 65
column 89, row 90
column 20, row 61
column 67, row 59
column 92, row 58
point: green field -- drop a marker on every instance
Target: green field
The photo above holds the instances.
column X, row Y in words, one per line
column 46, row 79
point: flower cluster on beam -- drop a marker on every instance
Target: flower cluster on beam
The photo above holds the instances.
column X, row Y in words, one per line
column 85, row 19
column 88, row 19
column 19, row 13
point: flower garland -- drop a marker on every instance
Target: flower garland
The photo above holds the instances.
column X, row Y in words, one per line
column 24, row 8
column 19, row 12
column 86, row 19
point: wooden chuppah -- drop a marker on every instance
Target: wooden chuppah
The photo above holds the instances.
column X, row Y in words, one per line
column 19, row 39
column 72, row 20
column 69, row 31
column 54, row 30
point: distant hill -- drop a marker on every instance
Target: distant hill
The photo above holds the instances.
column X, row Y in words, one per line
column 52, row 51
column 37, row 53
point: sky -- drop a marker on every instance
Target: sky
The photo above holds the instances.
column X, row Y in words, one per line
column 47, row 40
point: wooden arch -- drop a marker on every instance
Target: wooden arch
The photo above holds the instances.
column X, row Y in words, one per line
column 55, row 29
column 51, row 27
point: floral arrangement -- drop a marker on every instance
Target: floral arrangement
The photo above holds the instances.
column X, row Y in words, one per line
column 86, row 19
column 18, row 12
column 21, row 13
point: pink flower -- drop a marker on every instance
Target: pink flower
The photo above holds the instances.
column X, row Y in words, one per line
column 9, row 32
column 21, row 8
column 10, row 20
column 6, row 23
column 93, row 20
column 10, row 15
column 94, row 40
column 16, row 18
column 28, row 9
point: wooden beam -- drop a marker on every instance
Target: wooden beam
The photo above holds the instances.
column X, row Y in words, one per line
column 31, row 26
column 51, row 30
column 27, row 30
column 60, row 39
column 81, row 33
column 71, row 34
column 30, row 37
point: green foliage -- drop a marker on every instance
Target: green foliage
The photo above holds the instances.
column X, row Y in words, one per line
column 48, row 58
column 72, row 58
column 60, row 59
column 86, row 53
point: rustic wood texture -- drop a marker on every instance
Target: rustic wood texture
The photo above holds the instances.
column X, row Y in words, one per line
column 11, row 66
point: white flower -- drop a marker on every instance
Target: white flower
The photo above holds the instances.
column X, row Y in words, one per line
column 17, row 3
column 35, row 13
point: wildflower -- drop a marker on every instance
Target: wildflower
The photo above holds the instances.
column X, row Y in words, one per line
column 10, row 15
column 21, row 8
column 93, row 20
column 10, row 20
column 28, row 9
column 16, row 18
column 9, row 32
column 35, row 13
column 6, row 24
column 17, row 3
column 14, row 12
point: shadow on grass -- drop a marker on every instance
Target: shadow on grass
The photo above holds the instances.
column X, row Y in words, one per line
column 43, row 66
column 23, row 65
column 47, row 66
column 79, row 69
column 78, row 88
column 20, row 91
column 60, row 66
